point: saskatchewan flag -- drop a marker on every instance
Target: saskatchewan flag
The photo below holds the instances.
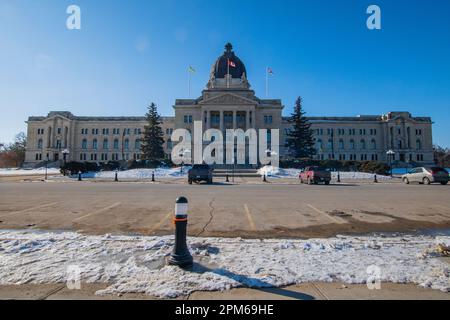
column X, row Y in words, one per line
column 191, row 69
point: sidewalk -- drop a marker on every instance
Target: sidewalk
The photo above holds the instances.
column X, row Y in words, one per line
column 309, row 291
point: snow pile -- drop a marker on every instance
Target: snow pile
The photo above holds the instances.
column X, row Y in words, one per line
column 137, row 174
column 275, row 172
column 27, row 172
column 358, row 176
column 135, row 264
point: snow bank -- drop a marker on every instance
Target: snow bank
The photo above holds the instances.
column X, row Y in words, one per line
column 27, row 172
column 275, row 172
column 137, row 174
column 134, row 264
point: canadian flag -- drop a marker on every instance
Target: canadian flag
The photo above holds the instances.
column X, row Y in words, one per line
column 231, row 64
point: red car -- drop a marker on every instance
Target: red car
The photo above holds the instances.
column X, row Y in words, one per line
column 314, row 175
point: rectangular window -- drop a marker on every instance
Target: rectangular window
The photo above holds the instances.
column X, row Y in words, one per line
column 188, row 119
column 268, row 119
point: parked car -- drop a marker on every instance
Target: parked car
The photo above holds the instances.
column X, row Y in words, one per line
column 200, row 172
column 314, row 175
column 427, row 175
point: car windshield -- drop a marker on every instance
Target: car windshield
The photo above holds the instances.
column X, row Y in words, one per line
column 317, row 168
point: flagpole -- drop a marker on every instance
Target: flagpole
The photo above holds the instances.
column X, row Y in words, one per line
column 189, row 84
column 228, row 73
column 267, row 82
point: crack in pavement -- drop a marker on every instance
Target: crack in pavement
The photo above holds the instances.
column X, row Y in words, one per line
column 211, row 217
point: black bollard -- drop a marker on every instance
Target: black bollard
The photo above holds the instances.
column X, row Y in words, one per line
column 228, row 179
column 181, row 256
column 79, row 176
column 153, row 176
column 116, row 178
column 339, row 178
column 375, row 179
column 264, row 178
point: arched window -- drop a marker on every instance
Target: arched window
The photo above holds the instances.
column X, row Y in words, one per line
column 363, row 144
column 319, row 145
column 105, row 144
column 84, row 144
column 127, row 144
column 40, row 144
column 95, row 144
column 373, row 144
column 418, row 144
column 352, row 144
column 341, row 144
column 116, row 144
column 137, row 144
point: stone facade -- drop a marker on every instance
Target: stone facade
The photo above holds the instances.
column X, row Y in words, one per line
column 229, row 103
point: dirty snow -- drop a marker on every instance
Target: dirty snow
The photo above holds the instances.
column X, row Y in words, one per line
column 26, row 172
column 137, row 174
column 136, row 264
column 276, row 172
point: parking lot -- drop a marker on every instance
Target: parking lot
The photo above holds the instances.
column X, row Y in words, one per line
column 273, row 210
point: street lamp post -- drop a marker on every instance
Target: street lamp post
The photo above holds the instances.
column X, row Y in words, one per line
column 65, row 152
column 390, row 155
column 181, row 154
column 46, row 167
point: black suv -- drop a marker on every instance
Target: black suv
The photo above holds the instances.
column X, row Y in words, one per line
column 200, row 172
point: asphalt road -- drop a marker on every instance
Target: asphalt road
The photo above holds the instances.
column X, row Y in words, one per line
column 245, row 210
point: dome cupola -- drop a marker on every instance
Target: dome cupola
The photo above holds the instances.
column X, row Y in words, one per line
column 228, row 63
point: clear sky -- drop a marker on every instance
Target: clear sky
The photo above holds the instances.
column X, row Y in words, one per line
column 130, row 53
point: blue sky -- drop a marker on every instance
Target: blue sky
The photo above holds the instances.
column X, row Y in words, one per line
column 129, row 53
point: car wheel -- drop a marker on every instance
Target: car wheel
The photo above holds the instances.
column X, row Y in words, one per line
column 426, row 181
column 301, row 180
column 327, row 183
column 210, row 181
column 405, row 181
column 310, row 182
column 190, row 181
column 444, row 183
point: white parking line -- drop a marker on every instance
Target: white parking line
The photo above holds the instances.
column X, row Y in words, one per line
column 250, row 218
column 32, row 209
column 98, row 211
column 335, row 220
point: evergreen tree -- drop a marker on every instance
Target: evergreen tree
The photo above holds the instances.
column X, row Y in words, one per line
column 300, row 141
column 153, row 141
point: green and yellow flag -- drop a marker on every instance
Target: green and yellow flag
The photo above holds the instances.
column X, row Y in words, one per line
column 191, row 69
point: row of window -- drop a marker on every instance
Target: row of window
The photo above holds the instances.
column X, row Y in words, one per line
column 349, row 157
column 341, row 132
column 105, row 157
column 341, row 145
column 40, row 144
column 116, row 144
column 362, row 144
column 115, row 131
column 363, row 157
column 42, row 131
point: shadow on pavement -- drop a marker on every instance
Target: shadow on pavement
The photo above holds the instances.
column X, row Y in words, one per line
column 252, row 283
